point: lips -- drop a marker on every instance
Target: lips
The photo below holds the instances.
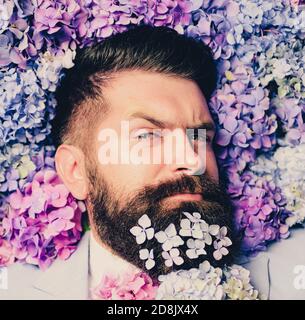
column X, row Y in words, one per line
column 187, row 196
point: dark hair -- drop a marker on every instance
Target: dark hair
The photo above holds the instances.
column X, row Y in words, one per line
column 144, row 47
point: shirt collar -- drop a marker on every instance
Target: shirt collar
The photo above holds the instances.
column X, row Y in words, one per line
column 103, row 262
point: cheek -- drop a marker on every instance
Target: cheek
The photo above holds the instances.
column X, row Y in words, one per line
column 128, row 177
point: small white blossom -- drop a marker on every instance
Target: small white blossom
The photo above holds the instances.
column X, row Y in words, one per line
column 196, row 248
column 192, row 226
column 214, row 229
column 220, row 249
column 207, row 238
column 50, row 66
column 149, row 257
column 281, row 68
column 189, row 229
column 169, row 238
column 143, row 231
column 194, row 218
column 222, row 236
column 172, row 257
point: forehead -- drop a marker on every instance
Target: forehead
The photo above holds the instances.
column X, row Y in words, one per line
column 167, row 97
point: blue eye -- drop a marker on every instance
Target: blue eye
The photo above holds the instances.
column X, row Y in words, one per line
column 148, row 135
column 145, row 135
column 202, row 136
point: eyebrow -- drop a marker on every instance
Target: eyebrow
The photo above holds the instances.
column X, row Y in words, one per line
column 209, row 126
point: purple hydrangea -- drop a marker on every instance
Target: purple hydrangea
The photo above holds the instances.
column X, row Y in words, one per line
column 260, row 211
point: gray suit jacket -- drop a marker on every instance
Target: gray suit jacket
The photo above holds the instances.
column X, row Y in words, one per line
column 63, row 280
column 279, row 272
column 272, row 273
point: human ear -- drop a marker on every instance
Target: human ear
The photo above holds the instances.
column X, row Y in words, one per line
column 70, row 166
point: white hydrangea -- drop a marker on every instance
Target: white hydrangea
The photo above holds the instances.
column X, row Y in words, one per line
column 287, row 170
column 207, row 283
column 291, row 179
column 50, row 66
column 203, row 283
column 237, row 285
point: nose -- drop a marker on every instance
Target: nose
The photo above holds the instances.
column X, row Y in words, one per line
column 183, row 157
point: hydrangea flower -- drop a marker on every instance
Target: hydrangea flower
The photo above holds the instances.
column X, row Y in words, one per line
column 244, row 124
column 221, row 243
column 144, row 230
column 220, row 250
column 196, row 248
column 207, row 283
column 203, row 283
column 237, row 285
column 172, row 257
column 15, row 44
column 130, row 286
column 148, row 256
column 43, row 221
column 6, row 253
column 25, row 119
column 49, row 68
column 6, row 11
column 191, row 227
column 286, row 169
column 261, row 212
column 169, row 238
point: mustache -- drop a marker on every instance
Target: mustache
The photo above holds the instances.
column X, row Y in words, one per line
column 203, row 185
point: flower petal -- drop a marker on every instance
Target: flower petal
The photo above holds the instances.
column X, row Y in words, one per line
column 141, row 238
column 144, row 221
column 135, row 231
column 161, row 236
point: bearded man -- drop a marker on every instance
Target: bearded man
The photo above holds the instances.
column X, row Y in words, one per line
column 134, row 138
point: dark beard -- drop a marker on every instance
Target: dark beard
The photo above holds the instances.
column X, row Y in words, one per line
column 113, row 221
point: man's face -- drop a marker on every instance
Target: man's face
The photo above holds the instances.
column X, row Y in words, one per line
column 147, row 101
column 120, row 193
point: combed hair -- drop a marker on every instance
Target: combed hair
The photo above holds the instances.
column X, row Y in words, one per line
column 80, row 101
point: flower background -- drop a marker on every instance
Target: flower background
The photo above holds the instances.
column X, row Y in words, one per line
column 259, row 109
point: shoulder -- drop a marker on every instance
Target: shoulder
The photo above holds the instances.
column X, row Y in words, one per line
column 16, row 281
column 64, row 279
column 280, row 271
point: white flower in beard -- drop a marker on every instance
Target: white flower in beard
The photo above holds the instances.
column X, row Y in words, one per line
column 169, row 238
column 191, row 227
column 144, row 230
column 222, row 235
column 220, row 249
column 172, row 257
column 147, row 255
column 196, row 248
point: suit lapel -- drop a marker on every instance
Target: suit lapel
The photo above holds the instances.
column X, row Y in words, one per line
column 67, row 279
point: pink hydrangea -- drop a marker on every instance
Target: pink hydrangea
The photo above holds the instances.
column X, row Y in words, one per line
column 6, row 253
column 131, row 286
column 43, row 220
